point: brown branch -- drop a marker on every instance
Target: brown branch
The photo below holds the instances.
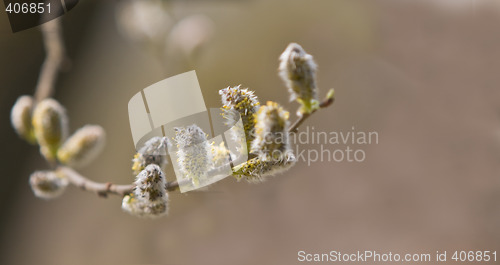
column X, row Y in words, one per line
column 55, row 55
column 172, row 185
column 325, row 103
column 102, row 189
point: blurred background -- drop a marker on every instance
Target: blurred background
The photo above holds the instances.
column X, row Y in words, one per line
column 423, row 74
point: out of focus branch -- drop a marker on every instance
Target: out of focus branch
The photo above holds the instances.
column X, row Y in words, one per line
column 55, row 56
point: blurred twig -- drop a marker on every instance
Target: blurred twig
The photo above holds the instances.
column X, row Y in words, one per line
column 55, row 55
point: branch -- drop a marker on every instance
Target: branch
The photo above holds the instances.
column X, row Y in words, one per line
column 55, row 55
column 172, row 185
column 102, row 189
column 330, row 98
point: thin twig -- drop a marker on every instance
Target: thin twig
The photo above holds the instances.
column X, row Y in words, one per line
column 295, row 126
column 55, row 55
column 172, row 185
column 102, row 189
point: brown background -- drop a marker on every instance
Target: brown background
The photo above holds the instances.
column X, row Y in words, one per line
column 424, row 76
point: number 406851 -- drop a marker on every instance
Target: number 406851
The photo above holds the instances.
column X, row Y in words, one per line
column 27, row 8
column 472, row 256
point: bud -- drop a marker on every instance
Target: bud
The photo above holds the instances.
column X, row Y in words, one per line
column 47, row 184
column 194, row 153
column 189, row 36
column 271, row 133
column 50, row 125
column 255, row 170
column 83, row 146
column 154, row 151
column 143, row 21
column 240, row 103
column 330, row 96
column 150, row 198
column 20, row 117
column 298, row 71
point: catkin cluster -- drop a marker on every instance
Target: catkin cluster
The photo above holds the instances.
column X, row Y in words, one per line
column 149, row 198
column 266, row 127
column 298, row 71
column 263, row 137
column 45, row 123
column 271, row 145
column 154, row 151
column 194, row 153
column 240, row 104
